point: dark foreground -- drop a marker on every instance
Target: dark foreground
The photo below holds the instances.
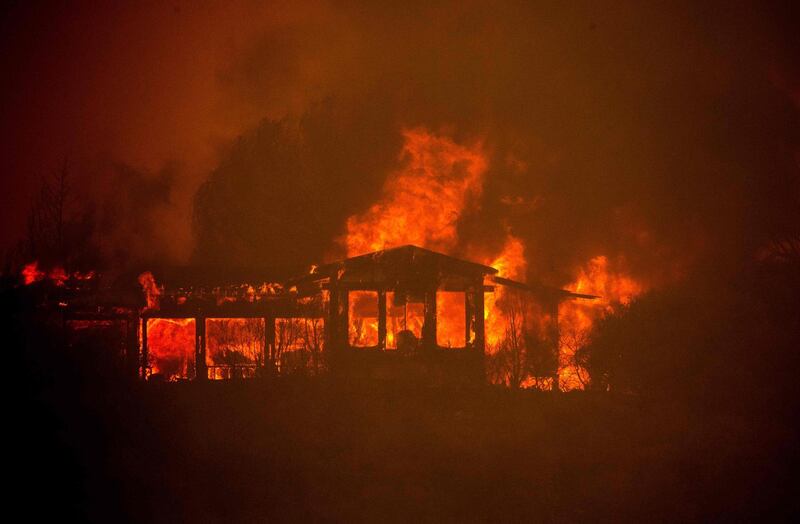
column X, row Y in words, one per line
column 303, row 449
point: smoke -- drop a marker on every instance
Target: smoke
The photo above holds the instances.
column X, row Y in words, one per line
column 656, row 137
column 660, row 137
column 139, row 216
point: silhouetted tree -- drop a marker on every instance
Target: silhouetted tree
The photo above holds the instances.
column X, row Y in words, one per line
column 59, row 228
column 47, row 218
column 287, row 333
column 724, row 341
column 571, row 340
column 313, row 335
column 523, row 356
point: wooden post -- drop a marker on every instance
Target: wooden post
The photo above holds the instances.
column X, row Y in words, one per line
column 132, row 346
column 201, row 369
column 469, row 320
column 382, row 319
column 336, row 324
column 144, row 357
column 331, row 318
column 480, row 324
column 429, row 328
column 555, row 337
column 269, row 344
column 479, row 346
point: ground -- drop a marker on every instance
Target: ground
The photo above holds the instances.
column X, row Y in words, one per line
column 305, row 449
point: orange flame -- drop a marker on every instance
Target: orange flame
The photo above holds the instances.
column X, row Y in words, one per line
column 171, row 347
column 151, row 290
column 422, row 202
column 511, row 264
column 57, row 275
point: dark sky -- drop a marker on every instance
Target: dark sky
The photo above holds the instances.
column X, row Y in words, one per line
column 662, row 133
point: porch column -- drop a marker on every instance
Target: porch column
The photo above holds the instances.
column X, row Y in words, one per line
column 479, row 346
column 382, row 319
column 480, row 324
column 201, row 370
column 269, row 345
column 555, row 336
column 132, row 346
column 144, row 356
column 429, row 328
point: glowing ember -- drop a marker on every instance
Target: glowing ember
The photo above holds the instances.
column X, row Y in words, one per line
column 31, row 273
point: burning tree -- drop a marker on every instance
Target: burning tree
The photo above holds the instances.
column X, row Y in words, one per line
column 522, row 357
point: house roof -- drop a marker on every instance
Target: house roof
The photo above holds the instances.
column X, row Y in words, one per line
column 411, row 257
column 410, row 260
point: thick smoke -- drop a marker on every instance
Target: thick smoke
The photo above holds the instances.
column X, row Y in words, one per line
column 658, row 138
column 139, row 217
column 661, row 137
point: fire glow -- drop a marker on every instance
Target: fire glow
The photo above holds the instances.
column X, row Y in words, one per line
column 32, row 273
column 422, row 203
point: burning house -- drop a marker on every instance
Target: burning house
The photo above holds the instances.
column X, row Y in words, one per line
column 405, row 313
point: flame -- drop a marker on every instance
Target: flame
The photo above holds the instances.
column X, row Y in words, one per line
column 406, row 314
column 510, row 263
column 171, row 347
column 31, row 273
column 363, row 310
column 422, row 202
column 451, row 319
column 151, row 290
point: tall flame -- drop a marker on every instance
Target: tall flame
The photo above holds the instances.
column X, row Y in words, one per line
column 511, row 264
column 422, row 202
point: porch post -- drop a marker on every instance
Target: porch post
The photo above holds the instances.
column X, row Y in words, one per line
column 429, row 328
column 269, row 345
column 555, row 336
column 382, row 319
column 144, row 356
column 201, row 370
